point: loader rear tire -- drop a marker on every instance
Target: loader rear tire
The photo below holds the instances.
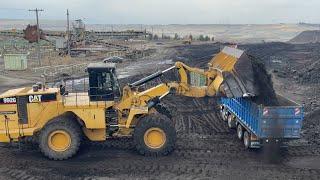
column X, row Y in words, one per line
column 154, row 135
column 60, row 140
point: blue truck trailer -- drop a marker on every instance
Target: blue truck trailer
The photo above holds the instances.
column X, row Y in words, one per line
column 258, row 125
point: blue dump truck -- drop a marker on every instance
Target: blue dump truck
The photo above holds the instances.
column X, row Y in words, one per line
column 258, row 125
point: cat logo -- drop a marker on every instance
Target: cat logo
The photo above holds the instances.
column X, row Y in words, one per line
column 35, row 98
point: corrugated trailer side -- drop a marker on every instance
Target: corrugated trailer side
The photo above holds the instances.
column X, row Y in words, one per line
column 258, row 124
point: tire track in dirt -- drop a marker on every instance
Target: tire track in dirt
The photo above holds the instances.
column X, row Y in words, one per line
column 219, row 156
column 18, row 174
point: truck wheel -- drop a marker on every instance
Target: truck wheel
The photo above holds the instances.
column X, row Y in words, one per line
column 231, row 122
column 60, row 140
column 246, row 140
column 239, row 131
column 224, row 114
column 154, row 135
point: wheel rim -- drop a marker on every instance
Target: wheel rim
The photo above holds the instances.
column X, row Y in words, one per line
column 59, row 140
column 154, row 138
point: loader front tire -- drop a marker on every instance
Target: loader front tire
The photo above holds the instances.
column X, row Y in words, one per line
column 60, row 140
column 154, row 135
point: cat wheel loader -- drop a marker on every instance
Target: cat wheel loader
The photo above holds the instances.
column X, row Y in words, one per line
column 60, row 120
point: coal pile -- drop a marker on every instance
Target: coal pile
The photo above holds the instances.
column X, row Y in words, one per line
column 309, row 74
column 295, row 62
column 311, row 128
column 306, row 37
column 267, row 50
column 197, row 55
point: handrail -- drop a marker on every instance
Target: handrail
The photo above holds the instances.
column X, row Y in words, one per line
column 77, row 96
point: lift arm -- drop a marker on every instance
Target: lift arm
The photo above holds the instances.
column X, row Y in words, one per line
column 222, row 78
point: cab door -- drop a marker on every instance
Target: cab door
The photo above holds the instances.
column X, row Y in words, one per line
column 22, row 108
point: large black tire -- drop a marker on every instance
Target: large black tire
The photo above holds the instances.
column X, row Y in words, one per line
column 246, row 139
column 231, row 121
column 154, row 121
column 239, row 131
column 60, row 125
column 224, row 114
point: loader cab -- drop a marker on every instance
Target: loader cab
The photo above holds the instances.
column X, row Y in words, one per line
column 103, row 82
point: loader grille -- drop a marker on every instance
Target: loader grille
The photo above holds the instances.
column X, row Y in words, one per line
column 22, row 102
column 196, row 79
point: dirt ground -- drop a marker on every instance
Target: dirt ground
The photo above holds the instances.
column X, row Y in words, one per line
column 210, row 153
column 206, row 148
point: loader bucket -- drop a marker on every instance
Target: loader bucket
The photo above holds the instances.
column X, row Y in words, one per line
column 237, row 71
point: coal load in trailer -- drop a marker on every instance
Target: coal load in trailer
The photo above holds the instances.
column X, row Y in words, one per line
column 263, row 83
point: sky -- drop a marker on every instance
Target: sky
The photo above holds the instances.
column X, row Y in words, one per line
column 168, row 11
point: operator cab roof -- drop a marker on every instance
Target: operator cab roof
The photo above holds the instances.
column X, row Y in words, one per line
column 101, row 66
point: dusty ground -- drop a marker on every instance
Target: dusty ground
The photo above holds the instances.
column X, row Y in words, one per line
column 206, row 148
column 215, row 153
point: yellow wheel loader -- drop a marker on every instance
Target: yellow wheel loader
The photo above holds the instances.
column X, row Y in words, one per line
column 60, row 120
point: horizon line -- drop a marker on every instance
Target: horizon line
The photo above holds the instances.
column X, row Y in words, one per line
column 92, row 23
